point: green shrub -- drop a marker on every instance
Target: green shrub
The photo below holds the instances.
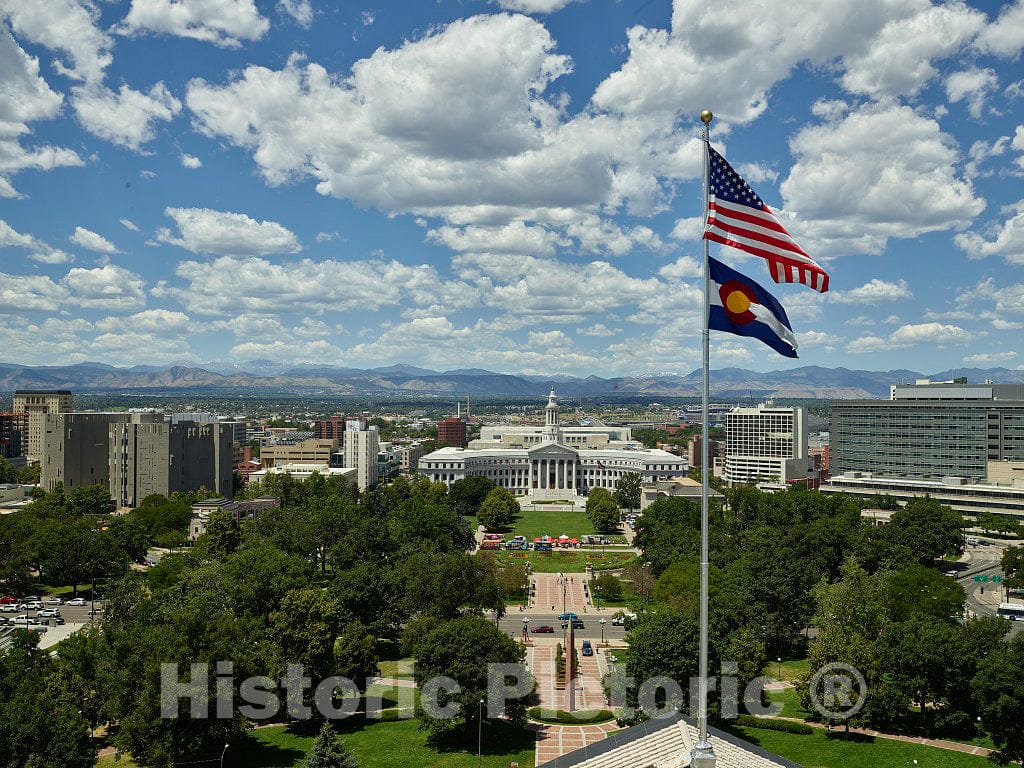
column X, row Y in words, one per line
column 774, row 724
column 561, row 717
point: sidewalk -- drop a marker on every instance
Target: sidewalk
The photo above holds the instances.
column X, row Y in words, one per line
column 952, row 746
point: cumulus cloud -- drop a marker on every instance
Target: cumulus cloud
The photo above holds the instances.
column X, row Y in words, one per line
column 851, row 192
column 534, row 6
column 597, row 330
column 690, row 228
column 973, row 86
column 191, row 161
column 1006, row 240
column 222, row 22
column 873, row 292
column 38, row 250
column 1005, row 37
column 515, row 237
column 25, row 97
column 990, row 358
column 125, row 117
column 129, row 224
column 67, row 26
column 86, row 238
column 684, row 266
column 202, row 230
column 160, row 322
column 1004, row 298
column 907, row 336
column 548, row 339
column 301, row 11
column 107, row 287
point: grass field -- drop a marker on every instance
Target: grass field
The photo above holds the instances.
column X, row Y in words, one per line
column 792, row 669
column 397, row 669
column 566, row 561
column 790, row 701
column 817, row 751
column 548, row 522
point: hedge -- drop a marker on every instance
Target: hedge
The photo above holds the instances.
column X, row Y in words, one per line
column 774, row 724
column 561, row 717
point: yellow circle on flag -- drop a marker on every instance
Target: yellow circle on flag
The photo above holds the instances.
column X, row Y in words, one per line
column 737, row 302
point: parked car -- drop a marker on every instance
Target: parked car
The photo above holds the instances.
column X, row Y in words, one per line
column 53, row 601
column 34, row 605
column 576, row 624
column 619, row 621
column 30, row 598
column 76, row 602
column 8, row 599
column 588, row 649
column 567, row 616
column 543, row 629
column 9, row 608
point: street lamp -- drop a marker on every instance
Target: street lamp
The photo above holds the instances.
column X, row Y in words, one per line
column 526, row 624
column 978, row 729
column 779, row 659
column 602, row 622
column 222, row 755
column 480, row 734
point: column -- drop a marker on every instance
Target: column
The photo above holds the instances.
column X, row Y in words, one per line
column 543, row 473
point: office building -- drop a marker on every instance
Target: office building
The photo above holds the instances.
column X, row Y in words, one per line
column 310, row 451
column 332, row 428
column 166, row 457
column 410, row 457
column 693, row 451
column 362, row 447
column 10, row 435
column 76, row 447
column 238, row 431
column 34, row 405
column 929, row 430
column 452, row 431
column 389, row 461
column 766, row 443
column 302, row 471
column 549, row 468
column 239, row 509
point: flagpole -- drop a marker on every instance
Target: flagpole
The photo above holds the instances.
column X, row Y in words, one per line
column 703, row 755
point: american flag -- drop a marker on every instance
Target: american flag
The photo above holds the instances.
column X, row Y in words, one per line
column 738, row 217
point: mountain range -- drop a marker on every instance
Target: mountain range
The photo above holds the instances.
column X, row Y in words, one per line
column 265, row 377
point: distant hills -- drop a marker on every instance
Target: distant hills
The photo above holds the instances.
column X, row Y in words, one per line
column 268, row 378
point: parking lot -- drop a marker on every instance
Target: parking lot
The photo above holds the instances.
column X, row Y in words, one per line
column 72, row 614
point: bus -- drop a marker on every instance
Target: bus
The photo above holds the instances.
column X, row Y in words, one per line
column 1011, row 611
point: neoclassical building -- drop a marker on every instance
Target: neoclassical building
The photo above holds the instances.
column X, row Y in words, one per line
column 549, row 462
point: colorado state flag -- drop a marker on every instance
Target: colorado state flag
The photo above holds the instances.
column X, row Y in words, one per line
column 741, row 306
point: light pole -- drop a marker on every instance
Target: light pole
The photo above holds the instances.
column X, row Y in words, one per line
column 602, row 623
column 978, row 729
column 480, row 734
column 224, row 752
column 526, row 624
column 779, row 659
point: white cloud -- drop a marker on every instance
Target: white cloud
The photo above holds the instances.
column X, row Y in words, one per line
column 191, row 161
column 874, row 291
column 990, row 358
column 125, row 117
column 232, row 285
column 24, row 98
column 898, row 60
column 300, row 10
column 690, row 228
column 1003, row 298
column 515, row 237
column 88, row 239
column 851, row 192
column 907, row 336
column 326, row 237
column 684, row 266
column 38, row 250
column 981, row 151
column 757, row 172
column 548, row 339
column 288, row 350
column 129, row 224
column 597, row 330
column 1005, row 37
column 68, row 26
column 973, row 86
column 159, row 322
column 221, row 22
column 202, row 230
column 1006, row 240
column 534, row 6
column 108, row 287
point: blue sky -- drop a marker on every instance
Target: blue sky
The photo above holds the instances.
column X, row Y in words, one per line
column 511, row 185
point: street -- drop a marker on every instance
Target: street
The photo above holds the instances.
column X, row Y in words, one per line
column 513, row 624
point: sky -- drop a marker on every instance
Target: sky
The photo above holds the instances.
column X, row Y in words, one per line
column 503, row 184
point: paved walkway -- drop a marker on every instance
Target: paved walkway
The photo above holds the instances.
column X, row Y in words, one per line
column 952, row 746
column 554, row 590
column 553, row 741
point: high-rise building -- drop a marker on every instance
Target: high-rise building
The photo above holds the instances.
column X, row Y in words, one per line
column 929, row 430
column 10, row 435
column 76, row 447
column 452, row 432
column 332, row 428
column 361, row 449
column 766, row 443
column 165, row 457
column 33, row 405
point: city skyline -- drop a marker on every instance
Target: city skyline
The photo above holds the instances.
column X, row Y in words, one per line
column 511, row 185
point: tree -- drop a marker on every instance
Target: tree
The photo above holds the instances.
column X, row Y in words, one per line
column 498, row 510
column 999, row 692
column 466, row 495
column 90, row 500
column 1013, row 567
column 602, row 510
column 663, row 644
column 514, row 579
column 222, row 535
column 355, row 654
column 328, row 751
column 920, row 591
column 928, row 529
column 305, row 628
column 627, row 490
column 462, row 649
column 608, row 586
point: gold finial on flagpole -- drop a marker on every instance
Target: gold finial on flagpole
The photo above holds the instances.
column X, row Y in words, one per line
column 706, row 116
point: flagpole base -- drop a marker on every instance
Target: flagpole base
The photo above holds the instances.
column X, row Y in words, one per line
column 703, row 755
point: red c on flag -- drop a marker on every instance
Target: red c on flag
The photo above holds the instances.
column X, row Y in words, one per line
column 736, row 300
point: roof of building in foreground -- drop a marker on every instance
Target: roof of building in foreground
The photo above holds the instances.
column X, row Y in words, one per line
column 666, row 742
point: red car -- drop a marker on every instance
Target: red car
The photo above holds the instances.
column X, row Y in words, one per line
column 7, row 600
column 544, row 629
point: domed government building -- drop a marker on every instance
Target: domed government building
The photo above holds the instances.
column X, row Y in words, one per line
column 552, row 462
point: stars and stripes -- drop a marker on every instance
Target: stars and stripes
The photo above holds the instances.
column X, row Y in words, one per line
column 739, row 218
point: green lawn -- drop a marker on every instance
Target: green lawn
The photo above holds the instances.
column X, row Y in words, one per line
column 567, row 561
column 398, row 669
column 817, row 751
column 790, row 701
column 549, row 522
column 383, row 745
column 792, row 669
